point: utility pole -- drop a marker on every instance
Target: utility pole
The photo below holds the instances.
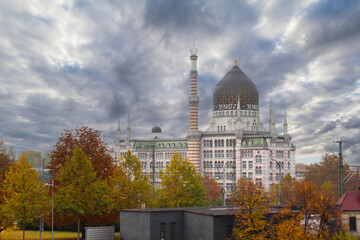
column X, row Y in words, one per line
column 341, row 167
column 234, row 162
column 153, row 168
column 279, row 165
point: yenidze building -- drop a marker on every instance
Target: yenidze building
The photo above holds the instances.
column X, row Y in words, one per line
column 235, row 145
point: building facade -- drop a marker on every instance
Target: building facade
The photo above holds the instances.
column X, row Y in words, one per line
column 235, row 145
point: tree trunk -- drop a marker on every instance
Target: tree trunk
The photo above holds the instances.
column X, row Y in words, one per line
column 24, row 231
column 78, row 227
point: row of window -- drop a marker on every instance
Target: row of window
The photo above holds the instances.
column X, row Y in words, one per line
column 167, row 145
column 235, row 113
column 218, row 164
column 219, row 142
column 218, row 154
column 160, row 155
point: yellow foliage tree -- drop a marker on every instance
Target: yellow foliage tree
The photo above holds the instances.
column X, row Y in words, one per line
column 181, row 185
column 79, row 192
column 130, row 188
column 251, row 203
column 24, row 197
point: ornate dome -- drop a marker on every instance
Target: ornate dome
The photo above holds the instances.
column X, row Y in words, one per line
column 156, row 129
column 233, row 85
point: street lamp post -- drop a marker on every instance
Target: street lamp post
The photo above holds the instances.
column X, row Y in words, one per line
column 52, row 208
column 278, row 163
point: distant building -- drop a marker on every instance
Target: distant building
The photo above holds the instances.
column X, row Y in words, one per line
column 235, row 145
column 350, row 207
column 300, row 174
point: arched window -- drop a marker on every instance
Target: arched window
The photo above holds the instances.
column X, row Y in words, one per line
column 271, row 165
column 271, row 176
column 222, row 142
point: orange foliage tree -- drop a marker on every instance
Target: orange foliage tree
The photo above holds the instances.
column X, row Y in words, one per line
column 319, row 217
column 251, row 207
column 93, row 145
column 213, row 190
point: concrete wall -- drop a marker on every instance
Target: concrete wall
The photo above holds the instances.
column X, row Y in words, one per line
column 168, row 218
column 198, row 227
column 134, row 225
column 220, row 226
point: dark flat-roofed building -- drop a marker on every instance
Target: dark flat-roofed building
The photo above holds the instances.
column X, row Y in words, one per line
column 208, row 223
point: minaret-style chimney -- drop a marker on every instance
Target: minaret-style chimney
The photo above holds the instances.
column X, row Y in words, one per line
column 194, row 135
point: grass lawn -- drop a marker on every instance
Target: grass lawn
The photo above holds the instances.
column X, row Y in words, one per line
column 34, row 235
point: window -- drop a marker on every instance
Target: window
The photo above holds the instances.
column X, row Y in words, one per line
column 271, row 178
column 352, row 223
column 244, row 165
column 244, row 175
column 229, row 231
column 162, row 231
column 250, row 165
column 250, row 174
column 173, row 231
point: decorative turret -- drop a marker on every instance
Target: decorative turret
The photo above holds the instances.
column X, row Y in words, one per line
column 272, row 124
column 156, row 131
column 127, row 140
column 285, row 125
column 118, row 134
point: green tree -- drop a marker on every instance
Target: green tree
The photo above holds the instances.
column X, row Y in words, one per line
column 181, row 185
column 130, row 188
column 24, row 197
column 78, row 191
column 251, row 207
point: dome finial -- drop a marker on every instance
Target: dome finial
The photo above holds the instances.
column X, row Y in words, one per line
column 235, row 62
column 193, row 50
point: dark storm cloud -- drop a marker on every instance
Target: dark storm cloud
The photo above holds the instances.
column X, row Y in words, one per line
column 332, row 21
column 181, row 16
column 90, row 63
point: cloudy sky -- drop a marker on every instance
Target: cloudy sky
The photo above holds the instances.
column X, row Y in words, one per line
column 71, row 63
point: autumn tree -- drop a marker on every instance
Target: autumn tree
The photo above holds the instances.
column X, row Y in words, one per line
column 24, row 198
column 320, row 218
column 5, row 163
column 130, row 188
column 251, row 208
column 93, row 145
column 213, row 190
column 181, row 185
column 287, row 189
column 79, row 192
column 325, row 172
